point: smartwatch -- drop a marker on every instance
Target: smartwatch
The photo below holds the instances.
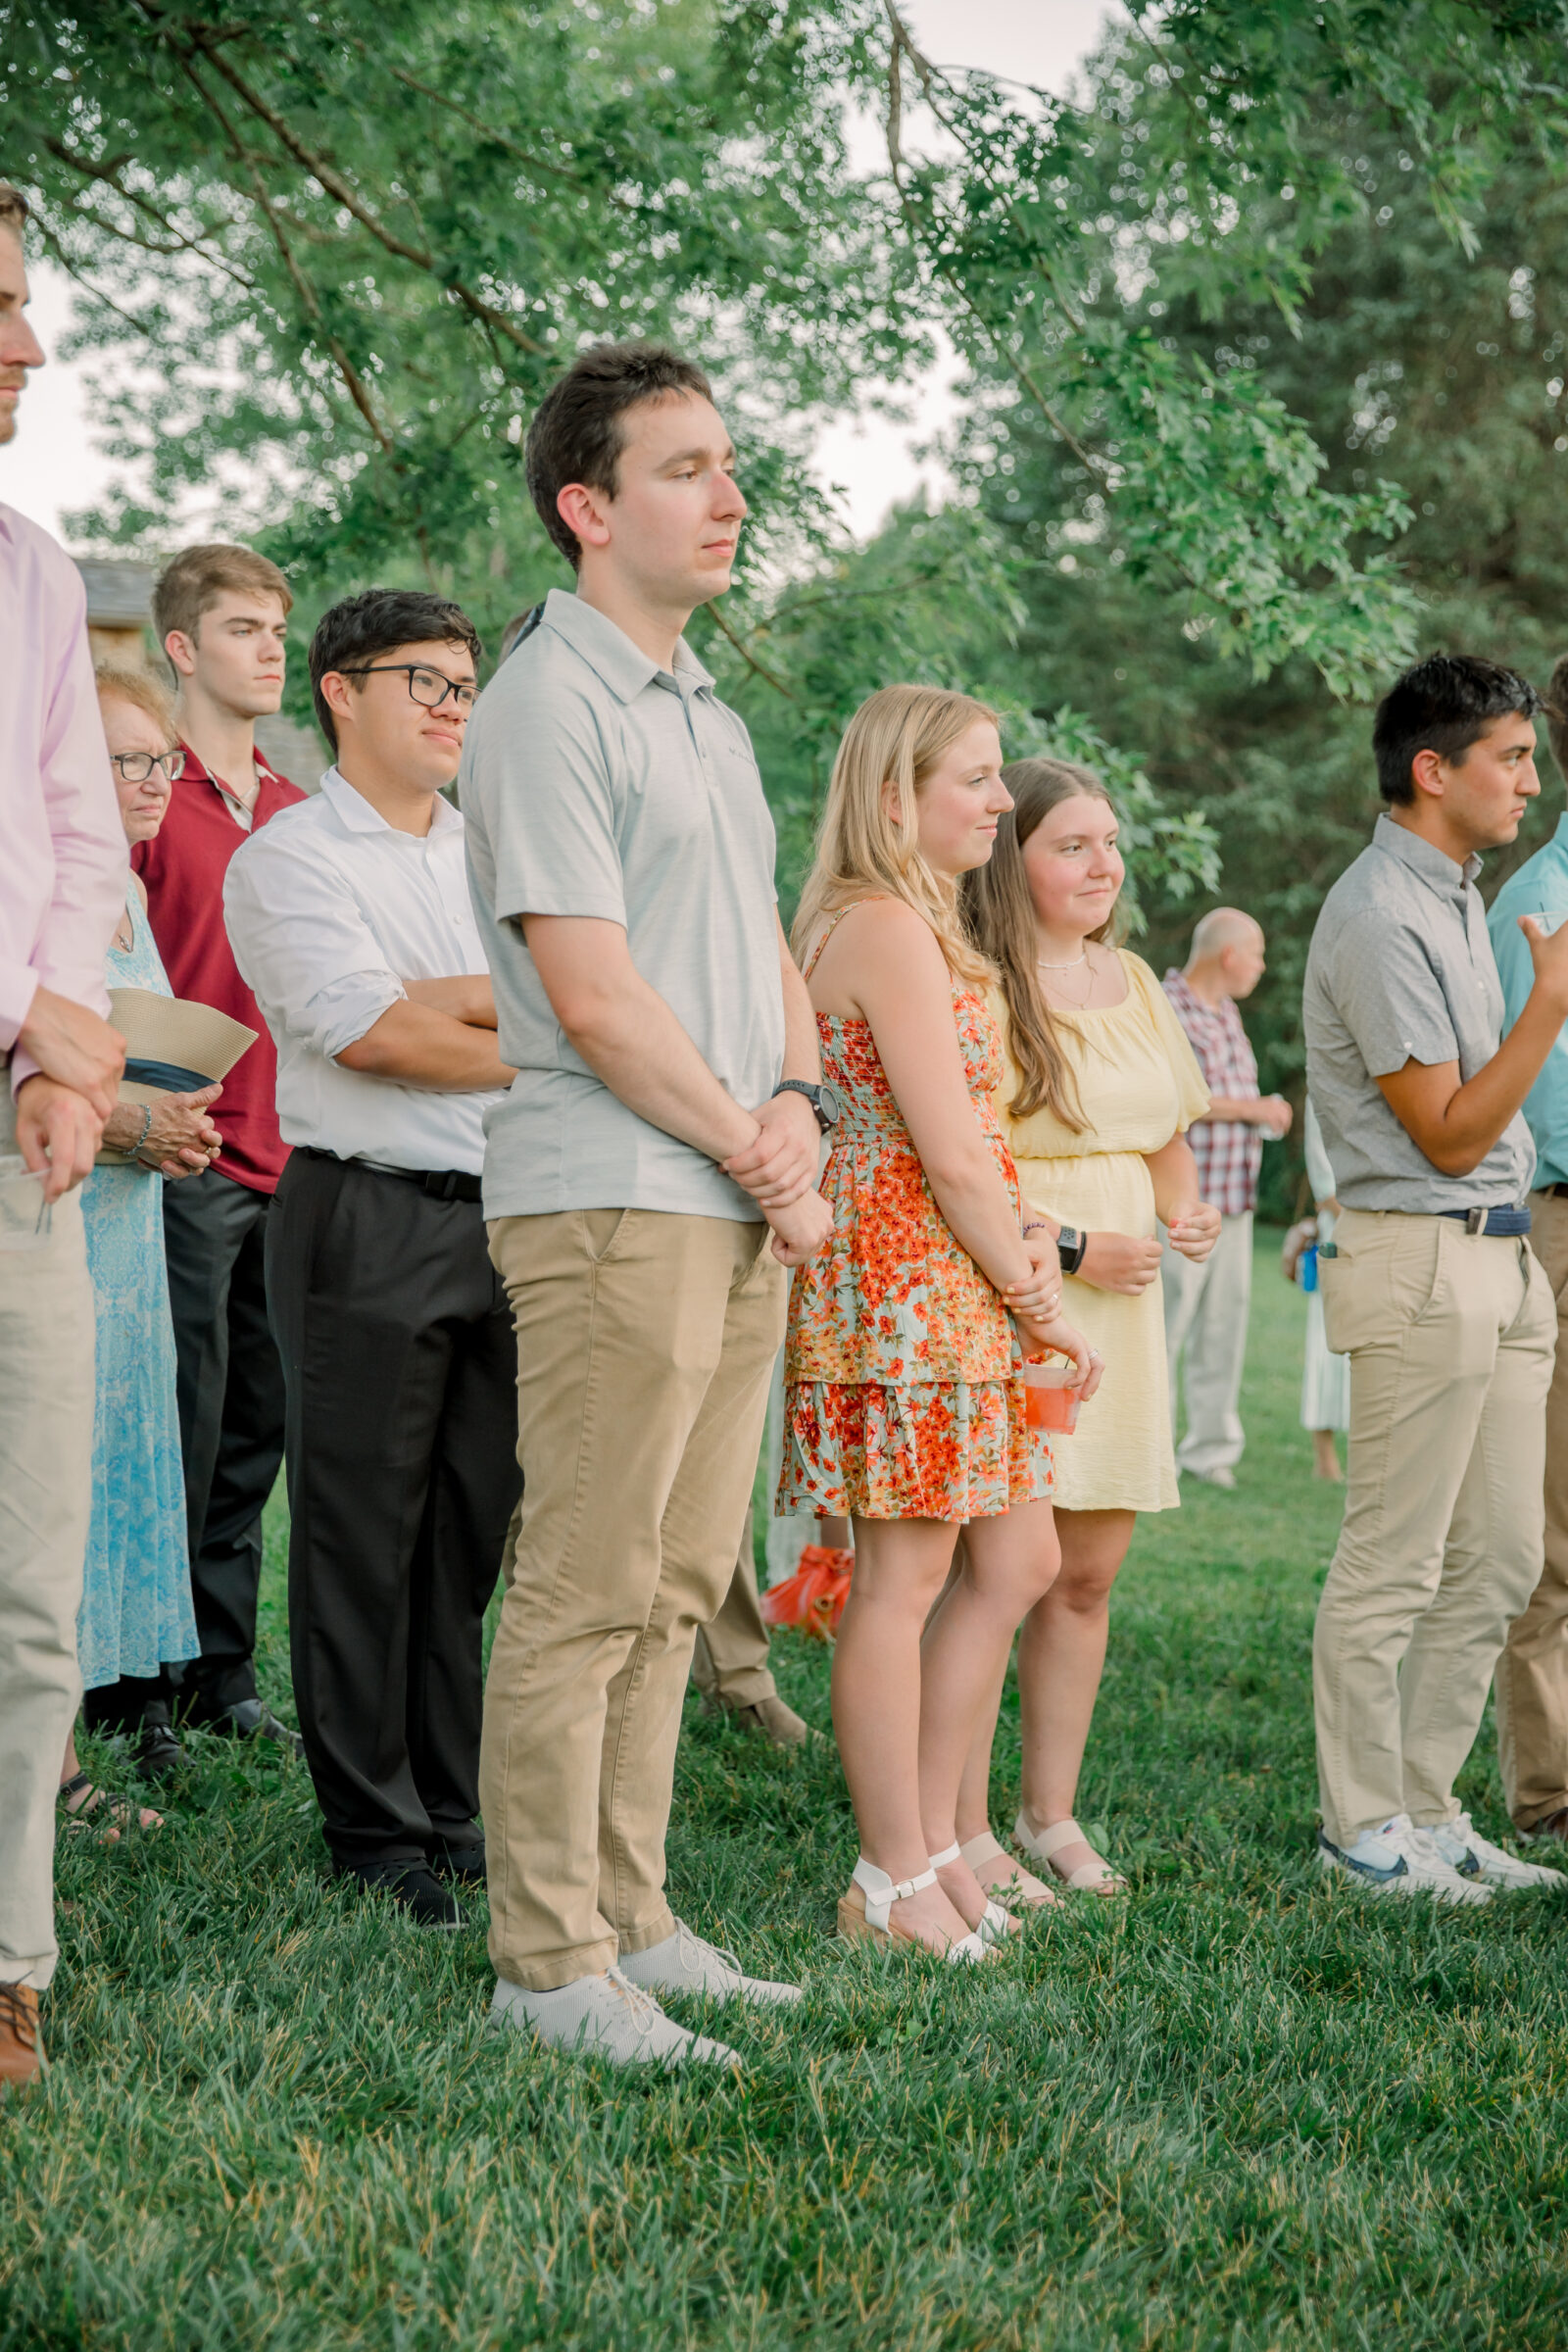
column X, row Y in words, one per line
column 824, row 1100
column 1070, row 1248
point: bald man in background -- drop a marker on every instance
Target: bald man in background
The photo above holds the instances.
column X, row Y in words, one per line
column 1207, row 1306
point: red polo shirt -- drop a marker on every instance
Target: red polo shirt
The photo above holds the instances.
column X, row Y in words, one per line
column 183, row 867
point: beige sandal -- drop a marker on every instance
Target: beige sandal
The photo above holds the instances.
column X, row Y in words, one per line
column 869, row 1920
column 996, row 1924
column 1090, row 1877
column 1010, row 1883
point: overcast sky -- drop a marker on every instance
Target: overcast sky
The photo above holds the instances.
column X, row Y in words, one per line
column 53, row 463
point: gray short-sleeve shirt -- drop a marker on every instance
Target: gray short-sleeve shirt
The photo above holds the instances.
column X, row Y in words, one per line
column 1400, row 969
column 595, row 783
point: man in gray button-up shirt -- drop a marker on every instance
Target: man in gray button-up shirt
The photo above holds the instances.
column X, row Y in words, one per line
column 1429, row 1286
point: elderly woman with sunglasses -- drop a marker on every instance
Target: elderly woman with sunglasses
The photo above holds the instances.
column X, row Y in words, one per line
column 136, row 1612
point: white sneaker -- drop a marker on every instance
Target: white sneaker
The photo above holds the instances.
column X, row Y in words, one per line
column 1475, row 1857
column 684, row 1963
column 604, row 2016
column 1399, row 1859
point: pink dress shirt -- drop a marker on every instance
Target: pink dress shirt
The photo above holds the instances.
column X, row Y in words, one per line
column 63, row 869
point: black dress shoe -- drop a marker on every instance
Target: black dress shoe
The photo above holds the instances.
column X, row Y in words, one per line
column 154, row 1745
column 459, row 1861
column 412, row 1888
column 246, row 1719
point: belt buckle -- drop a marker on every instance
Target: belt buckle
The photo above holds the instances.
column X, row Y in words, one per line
column 1475, row 1220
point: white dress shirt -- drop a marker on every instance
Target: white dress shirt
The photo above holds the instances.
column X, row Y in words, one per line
column 330, row 911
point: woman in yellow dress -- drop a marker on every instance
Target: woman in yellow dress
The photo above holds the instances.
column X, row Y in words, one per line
column 1101, row 1087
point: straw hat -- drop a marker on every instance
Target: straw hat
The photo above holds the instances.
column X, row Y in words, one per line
column 172, row 1046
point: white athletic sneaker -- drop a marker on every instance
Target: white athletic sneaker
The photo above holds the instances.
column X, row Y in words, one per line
column 1475, row 1857
column 1399, row 1859
column 684, row 1963
column 605, row 2017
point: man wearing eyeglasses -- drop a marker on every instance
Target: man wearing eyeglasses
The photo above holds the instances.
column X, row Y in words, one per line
column 221, row 617
column 351, row 919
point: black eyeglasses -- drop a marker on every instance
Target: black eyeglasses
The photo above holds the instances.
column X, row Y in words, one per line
column 137, row 767
column 426, row 686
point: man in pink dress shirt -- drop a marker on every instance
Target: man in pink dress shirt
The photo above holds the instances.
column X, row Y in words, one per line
column 62, row 879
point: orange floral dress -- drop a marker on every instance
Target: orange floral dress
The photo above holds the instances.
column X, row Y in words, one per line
column 903, row 1393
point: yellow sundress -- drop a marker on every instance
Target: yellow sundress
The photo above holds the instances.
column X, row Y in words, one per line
column 1139, row 1084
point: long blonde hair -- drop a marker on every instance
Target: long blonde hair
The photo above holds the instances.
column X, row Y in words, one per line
column 898, row 736
column 1001, row 914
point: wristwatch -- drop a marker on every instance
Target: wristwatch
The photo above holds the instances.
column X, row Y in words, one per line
column 824, row 1100
column 1070, row 1248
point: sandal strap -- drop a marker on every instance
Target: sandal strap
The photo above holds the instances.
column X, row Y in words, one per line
column 949, row 1854
column 73, row 1788
column 881, row 1893
column 1047, row 1842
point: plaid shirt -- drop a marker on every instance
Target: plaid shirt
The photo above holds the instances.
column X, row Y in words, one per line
column 1229, row 1152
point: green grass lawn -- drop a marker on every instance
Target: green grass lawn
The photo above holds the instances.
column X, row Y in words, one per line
column 1245, row 2109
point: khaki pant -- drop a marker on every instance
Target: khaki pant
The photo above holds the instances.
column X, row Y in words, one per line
column 1207, row 1307
column 645, row 1345
column 730, row 1660
column 1532, row 1683
column 46, row 1417
column 1450, row 1338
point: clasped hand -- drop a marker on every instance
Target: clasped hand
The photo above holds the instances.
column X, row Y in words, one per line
column 779, row 1169
column 182, row 1140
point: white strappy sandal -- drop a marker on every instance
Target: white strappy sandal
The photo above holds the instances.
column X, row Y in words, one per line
column 1004, row 1877
column 996, row 1924
column 869, row 1920
column 1098, row 1877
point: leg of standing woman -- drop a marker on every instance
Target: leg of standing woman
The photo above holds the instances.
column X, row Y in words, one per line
column 900, row 1565
column 1061, row 1653
column 1005, row 1567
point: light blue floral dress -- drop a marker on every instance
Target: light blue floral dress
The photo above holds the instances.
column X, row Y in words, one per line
column 135, row 1604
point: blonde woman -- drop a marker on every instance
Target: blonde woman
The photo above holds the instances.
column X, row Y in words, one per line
column 904, row 1403
column 1101, row 1088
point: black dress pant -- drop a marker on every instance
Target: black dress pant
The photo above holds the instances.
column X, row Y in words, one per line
column 400, row 1367
column 230, row 1397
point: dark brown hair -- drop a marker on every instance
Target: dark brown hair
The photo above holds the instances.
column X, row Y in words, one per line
column 1001, row 914
column 363, row 628
column 14, row 208
column 576, row 434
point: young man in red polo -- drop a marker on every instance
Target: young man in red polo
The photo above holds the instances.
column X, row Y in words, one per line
column 221, row 615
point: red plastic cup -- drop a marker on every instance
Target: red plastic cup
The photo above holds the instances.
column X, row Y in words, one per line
column 1048, row 1401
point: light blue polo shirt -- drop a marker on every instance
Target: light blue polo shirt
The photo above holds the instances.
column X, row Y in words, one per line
column 1539, row 887
column 595, row 783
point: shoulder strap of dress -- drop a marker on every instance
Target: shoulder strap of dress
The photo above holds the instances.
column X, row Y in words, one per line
column 833, row 922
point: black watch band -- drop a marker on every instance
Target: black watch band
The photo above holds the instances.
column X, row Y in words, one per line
column 1070, row 1248
column 824, row 1100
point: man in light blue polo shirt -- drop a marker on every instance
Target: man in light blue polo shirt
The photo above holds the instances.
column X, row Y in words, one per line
column 1532, row 1681
column 650, row 1174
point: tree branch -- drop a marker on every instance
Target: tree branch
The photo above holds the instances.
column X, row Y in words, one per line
column 107, row 174
column 336, row 185
column 308, row 302
column 749, row 658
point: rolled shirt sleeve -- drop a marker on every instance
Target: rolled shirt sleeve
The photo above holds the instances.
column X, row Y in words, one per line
column 1391, row 997
column 303, row 946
